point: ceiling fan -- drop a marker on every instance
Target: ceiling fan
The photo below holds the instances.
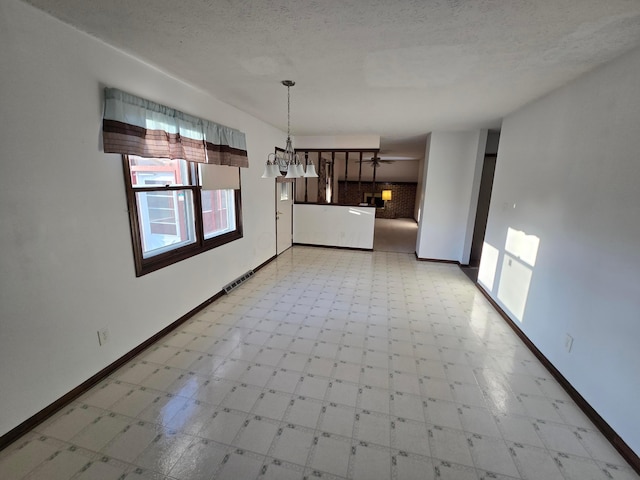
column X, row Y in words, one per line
column 375, row 161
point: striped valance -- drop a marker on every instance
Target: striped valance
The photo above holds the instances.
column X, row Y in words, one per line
column 135, row 126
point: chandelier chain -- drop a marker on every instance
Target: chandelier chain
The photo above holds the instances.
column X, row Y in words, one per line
column 288, row 111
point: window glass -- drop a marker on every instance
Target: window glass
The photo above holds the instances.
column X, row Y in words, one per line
column 158, row 171
column 218, row 214
column 172, row 218
column 285, row 191
column 166, row 220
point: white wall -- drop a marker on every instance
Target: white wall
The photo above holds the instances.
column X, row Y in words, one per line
column 474, row 197
column 567, row 176
column 398, row 171
column 449, row 178
column 422, row 172
column 66, row 267
column 334, row 225
column 336, row 142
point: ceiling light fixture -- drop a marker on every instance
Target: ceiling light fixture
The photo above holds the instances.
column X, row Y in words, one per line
column 287, row 161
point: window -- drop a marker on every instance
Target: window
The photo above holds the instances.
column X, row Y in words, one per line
column 285, row 191
column 171, row 216
column 218, row 214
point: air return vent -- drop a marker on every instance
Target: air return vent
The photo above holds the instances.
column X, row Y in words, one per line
column 238, row 281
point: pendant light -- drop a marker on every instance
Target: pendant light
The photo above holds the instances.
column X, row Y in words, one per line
column 287, row 161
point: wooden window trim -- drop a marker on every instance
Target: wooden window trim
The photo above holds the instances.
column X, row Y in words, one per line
column 143, row 265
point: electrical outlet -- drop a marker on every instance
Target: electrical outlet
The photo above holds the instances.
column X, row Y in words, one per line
column 103, row 336
column 568, row 343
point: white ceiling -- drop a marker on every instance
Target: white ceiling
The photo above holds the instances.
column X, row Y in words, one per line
column 394, row 68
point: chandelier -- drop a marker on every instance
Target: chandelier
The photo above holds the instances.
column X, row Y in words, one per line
column 287, row 161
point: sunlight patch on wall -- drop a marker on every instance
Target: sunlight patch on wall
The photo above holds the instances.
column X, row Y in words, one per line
column 515, row 279
column 522, row 246
column 488, row 265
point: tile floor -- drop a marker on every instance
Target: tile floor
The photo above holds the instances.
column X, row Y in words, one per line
column 327, row 364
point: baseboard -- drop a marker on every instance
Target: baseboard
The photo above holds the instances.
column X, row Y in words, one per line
column 15, row 433
column 618, row 443
column 333, row 246
column 265, row 263
column 435, row 260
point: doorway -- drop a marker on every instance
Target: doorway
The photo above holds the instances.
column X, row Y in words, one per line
column 395, row 235
column 482, row 215
column 482, row 211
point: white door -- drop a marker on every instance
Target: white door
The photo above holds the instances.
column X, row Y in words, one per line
column 284, row 216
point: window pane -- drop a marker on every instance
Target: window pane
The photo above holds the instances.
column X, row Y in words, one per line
column 285, row 191
column 147, row 172
column 166, row 220
column 218, row 212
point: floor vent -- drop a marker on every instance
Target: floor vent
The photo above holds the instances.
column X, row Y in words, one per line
column 238, row 281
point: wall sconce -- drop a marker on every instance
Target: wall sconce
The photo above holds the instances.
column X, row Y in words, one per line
column 386, row 195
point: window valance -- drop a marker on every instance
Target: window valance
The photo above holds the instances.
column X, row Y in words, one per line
column 135, row 126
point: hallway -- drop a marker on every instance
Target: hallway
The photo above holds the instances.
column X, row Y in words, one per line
column 328, row 364
column 395, row 235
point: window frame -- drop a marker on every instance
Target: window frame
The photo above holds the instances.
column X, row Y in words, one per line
column 143, row 265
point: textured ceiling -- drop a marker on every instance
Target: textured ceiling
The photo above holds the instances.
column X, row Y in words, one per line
column 395, row 68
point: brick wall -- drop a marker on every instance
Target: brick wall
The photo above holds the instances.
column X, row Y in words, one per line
column 400, row 206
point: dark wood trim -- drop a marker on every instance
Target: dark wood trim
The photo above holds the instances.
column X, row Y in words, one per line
column 265, row 263
column 133, row 217
column 436, row 260
column 610, row 434
column 360, row 178
column 332, row 177
column 15, row 433
column 375, row 169
column 306, row 179
column 197, row 202
column 346, row 174
column 334, row 246
column 143, row 265
column 337, row 150
column 189, row 251
column 378, row 183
